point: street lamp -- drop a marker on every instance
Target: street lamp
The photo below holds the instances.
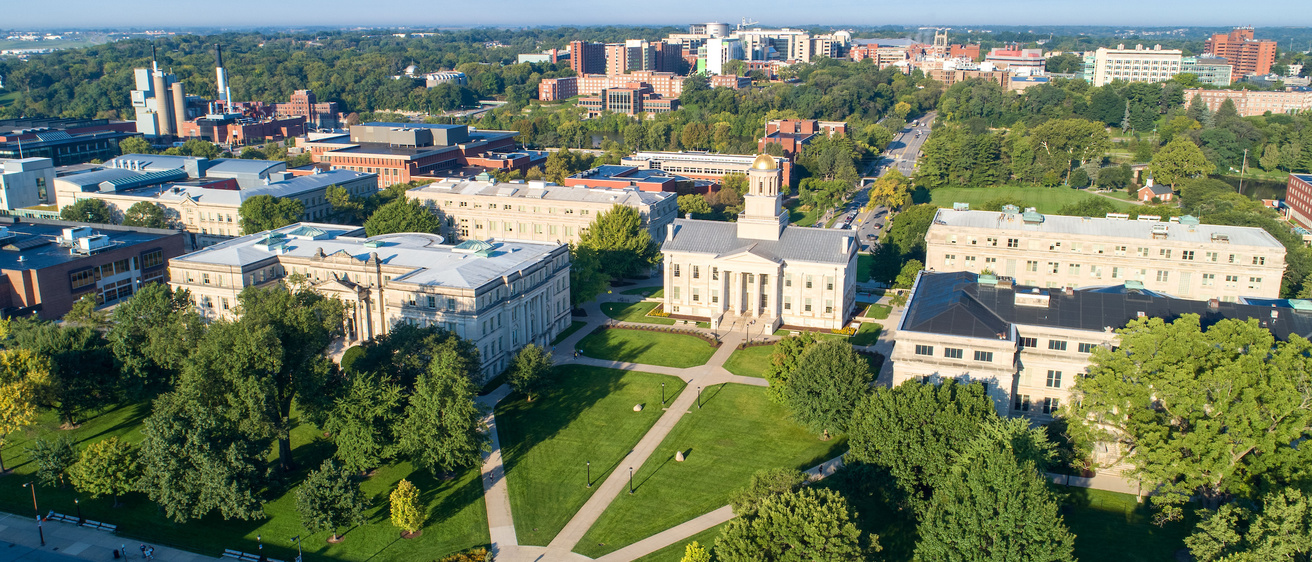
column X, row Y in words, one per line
column 662, row 394
column 699, row 398
column 630, row 483
column 40, row 532
column 589, row 463
column 80, row 519
column 260, row 545
column 297, row 539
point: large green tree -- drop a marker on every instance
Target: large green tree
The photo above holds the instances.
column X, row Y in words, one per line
column 1199, row 413
column 364, row 420
column 621, row 241
column 87, row 210
column 443, row 427
column 806, row 524
column 783, row 360
column 53, row 455
column 151, row 335
column 1179, row 160
column 147, row 214
column 913, row 429
column 531, row 371
column 82, row 373
column 266, row 212
column 1060, row 142
column 24, row 378
column 1280, row 529
column 587, row 279
column 402, row 215
column 907, row 230
column 107, row 467
column 996, row 504
column 825, row 387
column 135, row 145
column 329, row 499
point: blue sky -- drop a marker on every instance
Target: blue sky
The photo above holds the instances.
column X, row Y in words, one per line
column 1125, row 13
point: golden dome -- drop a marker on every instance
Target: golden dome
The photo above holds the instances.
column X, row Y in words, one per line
column 764, row 162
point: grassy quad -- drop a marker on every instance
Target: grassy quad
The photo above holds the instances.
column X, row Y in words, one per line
column 1046, row 199
column 877, row 311
column 634, row 312
column 649, row 348
column 457, row 516
column 674, row 552
column 587, row 417
column 654, row 292
column 737, row 432
column 1113, row 526
column 751, row 361
column 864, row 263
column 867, row 334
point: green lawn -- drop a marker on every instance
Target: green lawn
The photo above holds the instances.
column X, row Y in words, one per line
column 864, row 262
column 737, row 432
column 656, row 292
column 877, row 311
column 649, row 348
column 1046, row 199
column 634, row 312
column 674, row 552
column 7, row 98
column 587, row 417
column 457, row 517
column 867, row 334
column 573, row 327
column 750, row 362
column 1112, row 526
column 803, row 218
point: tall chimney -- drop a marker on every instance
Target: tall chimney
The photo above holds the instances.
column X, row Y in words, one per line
column 221, row 76
column 163, row 109
column 179, row 107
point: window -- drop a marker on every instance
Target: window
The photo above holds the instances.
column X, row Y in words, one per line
column 1029, row 342
column 1259, row 260
column 808, row 282
column 1165, row 253
column 788, row 303
column 676, row 293
column 674, row 269
column 788, row 280
column 1254, row 282
column 1087, row 347
column 1054, row 267
column 152, row 259
column 1054, row 379
column 696, row 295
column 1095, row 271
column 1187, row 255
column 1231, row 281
column 806, row 306
column 1232, row 258
column 1163, row 276
column 82, row 278
column 715, row 274
column 715, row 296
column 696, row 272
column 924, row 350
column 1073, row 269
column 1211, row 256
column 829, row 282
column 1013, row 242
column 993, row 241
column 949, row 259
column 1209, row 279
column 1032, row 266
column 1023, row 402
column 952, row 353
column 1143, row 252
column 970, row 261
column 1120, row 250
column 985, row 356
column 1050, row 405
column 1057, row 345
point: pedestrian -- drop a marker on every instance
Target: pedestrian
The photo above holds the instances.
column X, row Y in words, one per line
column 150, row 553
column 143, row 550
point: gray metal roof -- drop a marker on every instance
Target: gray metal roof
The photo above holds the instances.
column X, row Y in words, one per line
column 223, row 167
column 543, row 191
column 796, row 243
column 1093, row 226
column 93, row 179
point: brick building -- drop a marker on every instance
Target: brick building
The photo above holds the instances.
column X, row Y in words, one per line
column 587, row 58
column 632, row 99
column 1251, row 103
column 399, row 152
column 792, row 134
column 238, row 130
column 663, row 84
column 303, row 103
column 1299, row 199
column 615, row 176
column 63, row 141
column 964, row 51
column 46, row 266
column 702, row 165
column 1246, row 55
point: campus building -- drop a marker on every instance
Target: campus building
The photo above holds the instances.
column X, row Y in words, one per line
column 63, row 141
column 399, row 152
column 1298, row 197
column 204, row 196
column 792, row 134
column 25, row 182
column 323, row 115
column 46, row 266
column 1028, row 345
column 702, row 165
column 631, row 100
column 1251, row 103
column 760, row 269
column 1210, row 71
column 536, row 210
column 1184, row 259
column 498, row 294
column 1247, row 55
column 1104, row 65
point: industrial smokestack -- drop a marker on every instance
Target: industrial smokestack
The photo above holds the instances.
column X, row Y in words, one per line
column 154, row 58
column 221, row 79
column 163, row 109
column 179, row 107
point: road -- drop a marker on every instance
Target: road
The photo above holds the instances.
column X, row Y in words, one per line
column 901, row 153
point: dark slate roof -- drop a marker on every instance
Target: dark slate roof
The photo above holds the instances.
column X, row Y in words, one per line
column 956, row 304
column 720, row 239
column 1159, row 189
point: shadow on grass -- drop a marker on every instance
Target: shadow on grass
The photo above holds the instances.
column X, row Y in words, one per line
column 578, row 390
column 708, row 394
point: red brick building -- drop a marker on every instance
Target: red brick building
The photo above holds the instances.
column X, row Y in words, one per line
column 964, row 51
column 587, row 58
column 399, row 152
column 792, row 134
column 1246, row 55
column 614, row 176
column 46, row 266
column 1298, row 197
column 632, row 99
column 238, row 131
column 303, row 103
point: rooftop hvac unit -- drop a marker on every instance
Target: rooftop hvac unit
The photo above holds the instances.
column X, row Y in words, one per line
column 91, row 244
column 76, row 232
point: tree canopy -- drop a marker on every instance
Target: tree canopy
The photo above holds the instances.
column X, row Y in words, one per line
column 145, row 213
column 825, row 387
column 87, row 210
column 402, row 215
column 328, row 499
column 266, row 212
column 804, row 524
column 1179, row 160
column 622, row 242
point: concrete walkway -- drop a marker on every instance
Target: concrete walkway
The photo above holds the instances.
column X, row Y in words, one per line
column 66, row 541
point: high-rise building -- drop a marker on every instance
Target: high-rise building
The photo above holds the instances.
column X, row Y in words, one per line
column 1210, row 71
column 1246, row 55
column 1105, row 65
column 157, row 115
column 587, row 58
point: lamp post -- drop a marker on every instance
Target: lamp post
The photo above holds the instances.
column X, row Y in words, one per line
column 589, row 464
column 699, row 398
column 630, row 482
column 40, row 531
column 260, row 545
column 662, row 394
column 297, row 539
column 78, row 504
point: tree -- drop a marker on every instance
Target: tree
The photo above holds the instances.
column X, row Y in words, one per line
column 784, row 359
column 24, row 377
column 765, row 484
column 1280, row 530
column 907, row 277
column 913, row 429
column 346, row 207
column 53, row 457
column 147, row 214
column 694, row 203
column 87, row 210
column 198, row 456
column 364, row 420
column 908, row 228
column 443, row 427
column 694, row 552
column 82, row 373
column 1060, row 141
column 329, row 500
column 586, row 277
column 1207, row 413
column 266, row 212
column 402, row 215
column 135, row 145
column 151, row 336
column 996, row 505
column 1079, row 178
column 1178, row 160
column 84, row 313
column 806, row 524
column 531, row 371
column 891, row 190
column 1270, row 159
column 407, row 514
column 823, row 390
column 106, row 468
column 622, row 242
column 1089, row 207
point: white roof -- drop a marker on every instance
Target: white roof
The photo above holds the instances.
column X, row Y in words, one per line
column 1111, row 228
column 543, row 191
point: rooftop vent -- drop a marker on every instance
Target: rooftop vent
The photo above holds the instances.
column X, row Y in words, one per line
column 1221, row 238
column 961, row 206
column 1010, row 210
column 1035, row 298
column 1121, row 216
column 1213, row 304
column 988, row 279
column 1303, row 305
column 1032, row 216
column 1133, row 285
column 1150, row 218
column 1160, row 230
column 88, row 245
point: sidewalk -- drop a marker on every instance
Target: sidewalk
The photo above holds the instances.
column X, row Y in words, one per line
column 66, row 542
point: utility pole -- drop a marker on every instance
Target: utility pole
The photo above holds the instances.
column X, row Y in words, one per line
column 1243, row 167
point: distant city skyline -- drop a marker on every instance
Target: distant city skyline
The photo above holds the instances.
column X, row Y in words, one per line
column 388, row 13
